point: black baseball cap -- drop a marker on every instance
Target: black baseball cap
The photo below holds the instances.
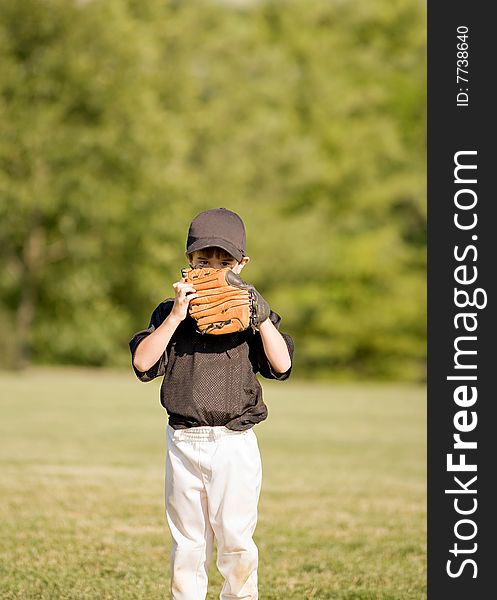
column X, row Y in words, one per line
column 217, row 227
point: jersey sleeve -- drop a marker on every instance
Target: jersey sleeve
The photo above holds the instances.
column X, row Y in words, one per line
column 263, row 365
column 158, row 316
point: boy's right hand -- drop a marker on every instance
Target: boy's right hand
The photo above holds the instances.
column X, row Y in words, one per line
column 184, row 293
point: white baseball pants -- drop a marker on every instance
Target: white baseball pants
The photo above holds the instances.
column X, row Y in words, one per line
column 213, row 482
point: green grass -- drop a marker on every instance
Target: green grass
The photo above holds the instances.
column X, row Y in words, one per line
column 342, row 512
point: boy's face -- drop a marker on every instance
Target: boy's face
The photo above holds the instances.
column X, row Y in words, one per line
column 216, row 258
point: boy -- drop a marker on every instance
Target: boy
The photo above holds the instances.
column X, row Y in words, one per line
column 213, row 399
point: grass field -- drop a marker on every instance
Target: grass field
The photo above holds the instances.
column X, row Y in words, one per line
column 342, row 511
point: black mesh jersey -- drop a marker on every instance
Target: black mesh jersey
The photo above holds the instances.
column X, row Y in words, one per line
column 210, row 379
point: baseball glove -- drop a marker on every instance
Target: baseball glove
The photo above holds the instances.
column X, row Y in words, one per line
column 225, row 303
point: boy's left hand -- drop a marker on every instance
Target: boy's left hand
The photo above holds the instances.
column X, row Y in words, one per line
column 260, row 308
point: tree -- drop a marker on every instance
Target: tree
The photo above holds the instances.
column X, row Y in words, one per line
column 122, row 119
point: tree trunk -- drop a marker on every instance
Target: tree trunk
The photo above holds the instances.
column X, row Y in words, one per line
column 32, row 261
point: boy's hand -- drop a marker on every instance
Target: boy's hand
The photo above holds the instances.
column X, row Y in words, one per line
column 184, row 293
column 259, row 307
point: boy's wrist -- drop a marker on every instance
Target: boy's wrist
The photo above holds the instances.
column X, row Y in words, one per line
column 173, row 319
column 264, row 325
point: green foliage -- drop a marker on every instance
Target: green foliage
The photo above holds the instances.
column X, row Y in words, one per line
column 120, row 120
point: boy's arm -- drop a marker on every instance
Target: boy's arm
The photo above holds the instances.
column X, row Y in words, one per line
column 275, row 347
column 152, row 347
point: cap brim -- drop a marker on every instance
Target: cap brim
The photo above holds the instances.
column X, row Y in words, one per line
column 219, row 243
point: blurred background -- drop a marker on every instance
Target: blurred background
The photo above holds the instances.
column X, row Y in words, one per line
column 120, row 120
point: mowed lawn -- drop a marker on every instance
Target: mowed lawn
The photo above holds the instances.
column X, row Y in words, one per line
column 342, row 513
